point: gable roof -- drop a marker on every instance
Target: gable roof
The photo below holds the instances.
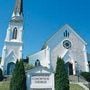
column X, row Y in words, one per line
column 70, row 28
column 66, row 26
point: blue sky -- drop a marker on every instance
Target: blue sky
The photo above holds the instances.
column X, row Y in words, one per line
column 42, row 18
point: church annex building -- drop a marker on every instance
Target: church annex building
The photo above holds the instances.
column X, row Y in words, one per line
column 65, row 43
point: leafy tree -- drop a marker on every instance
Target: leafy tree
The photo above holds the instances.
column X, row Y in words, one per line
column 28, row 66
column 61, row 76
column 18, row 80
column 1, row 75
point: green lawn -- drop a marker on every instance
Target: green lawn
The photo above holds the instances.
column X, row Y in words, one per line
column 5, row 86
column 75, row 87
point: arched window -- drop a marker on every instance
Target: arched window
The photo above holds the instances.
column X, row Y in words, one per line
column 14, row 36
column 66, row 33
column 37, row 63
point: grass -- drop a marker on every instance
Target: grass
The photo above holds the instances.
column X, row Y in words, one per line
column 5, row 86
column 75, row 87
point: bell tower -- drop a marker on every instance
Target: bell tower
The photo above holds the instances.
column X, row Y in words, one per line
column 12, row 50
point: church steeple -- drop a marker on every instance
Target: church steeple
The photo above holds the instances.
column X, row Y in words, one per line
column 12, row 50
column 18, row 10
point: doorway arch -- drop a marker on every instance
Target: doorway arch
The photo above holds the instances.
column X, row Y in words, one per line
column 69, row 67
column 10, row 68
column 37, row 63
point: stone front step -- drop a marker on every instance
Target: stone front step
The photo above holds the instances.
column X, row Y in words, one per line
column 76, row 79
column 73, row 78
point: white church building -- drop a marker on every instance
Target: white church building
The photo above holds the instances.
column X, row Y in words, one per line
column 68, row 45
column 65, row 43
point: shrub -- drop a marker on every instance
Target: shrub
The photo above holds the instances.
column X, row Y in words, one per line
column 86, row 75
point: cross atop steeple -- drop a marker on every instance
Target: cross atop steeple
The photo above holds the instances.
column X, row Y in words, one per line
column 18, row 10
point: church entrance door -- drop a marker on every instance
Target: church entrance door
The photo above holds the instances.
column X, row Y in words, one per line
column 70, row 68
column 10, row 68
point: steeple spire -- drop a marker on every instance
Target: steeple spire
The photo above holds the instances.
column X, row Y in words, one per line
column 18, row 10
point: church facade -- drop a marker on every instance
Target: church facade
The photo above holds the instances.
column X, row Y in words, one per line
column 65, row 43
column 12, row 49
column 68, row 45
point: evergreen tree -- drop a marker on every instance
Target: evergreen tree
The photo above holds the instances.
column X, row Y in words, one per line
column 61, row 76
column 1, row 75
column 18, row 80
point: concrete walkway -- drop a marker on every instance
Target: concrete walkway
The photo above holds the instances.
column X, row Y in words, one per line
column 80, row 84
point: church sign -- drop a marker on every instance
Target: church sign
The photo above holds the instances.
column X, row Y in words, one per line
column 40, row 78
